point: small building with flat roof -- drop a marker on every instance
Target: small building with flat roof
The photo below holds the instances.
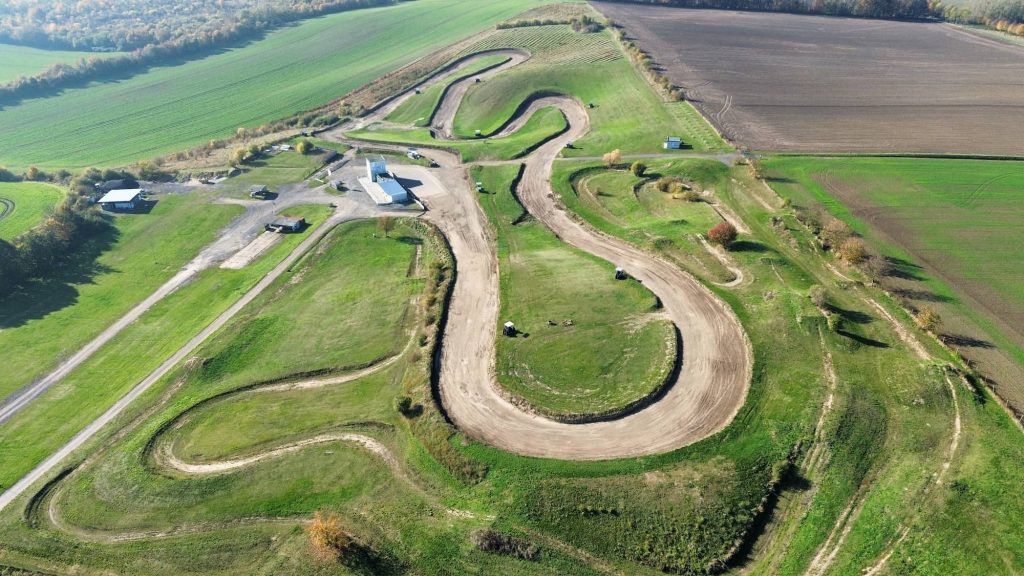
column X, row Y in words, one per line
column 381, row 184
column 285, row 223
column 127, row 199
column 673, row 143
column 385, row 190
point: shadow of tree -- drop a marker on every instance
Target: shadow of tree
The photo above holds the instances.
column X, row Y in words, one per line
column 35, row 299
column 747, row 246
column 862, row 339
column 923, row 295
column 966, row 341
column 854, row 316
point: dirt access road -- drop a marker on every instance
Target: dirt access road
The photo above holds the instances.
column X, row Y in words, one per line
column 347, row 210
column 825, row 84
column 229, row 241
column 717, row 361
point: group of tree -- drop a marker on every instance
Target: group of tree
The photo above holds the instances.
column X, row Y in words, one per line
column 47, row 247
column 643, row 61
column 150, row 31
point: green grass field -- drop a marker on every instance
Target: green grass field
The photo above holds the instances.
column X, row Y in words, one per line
column 112, row 275
column 619, row 203
column 592, row 68
column 835, row 419
column 30, row 202
column 543, row 125
column 615, row 352
column 418, row 108
column 292, row 69
column 27, row 61
column 274, row 171
column 122, row 363
column 959, row 219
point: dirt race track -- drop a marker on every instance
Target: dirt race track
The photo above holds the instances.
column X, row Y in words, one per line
column 716, row 369
column 819, row 84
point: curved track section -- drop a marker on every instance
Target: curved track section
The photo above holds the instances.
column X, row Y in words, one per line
column 6, row 207
column 717, row 359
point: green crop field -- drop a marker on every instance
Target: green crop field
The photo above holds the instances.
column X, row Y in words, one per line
column 23, row 205
column 591, row 67
column 418, row 108
column 27, row 61
column 959, row 219
column 615, row 352
column 293, row 69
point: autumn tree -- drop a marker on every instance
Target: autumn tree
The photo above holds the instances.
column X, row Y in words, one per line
column 638, row 169
column 328, row 538
column 835, row 232
column 927, row 319
column 818, row 295
column 386, row 225
column 238, row 156
column 612, row 158
column 852, row 251
column 723, row 234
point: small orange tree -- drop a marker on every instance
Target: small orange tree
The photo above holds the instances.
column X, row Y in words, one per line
column 328, row 538
column 722, row 234
column 612, row 158
column 853, row 251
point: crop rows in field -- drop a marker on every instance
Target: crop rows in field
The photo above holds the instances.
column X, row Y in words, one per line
column 290, row 70
column 23, row 205
column 819, row 84
column 553, row 45
column 26, row 61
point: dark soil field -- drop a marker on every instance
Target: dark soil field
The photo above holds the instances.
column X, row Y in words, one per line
column 807, row 83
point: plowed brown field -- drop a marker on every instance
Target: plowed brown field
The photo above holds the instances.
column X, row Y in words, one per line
column 820, row 84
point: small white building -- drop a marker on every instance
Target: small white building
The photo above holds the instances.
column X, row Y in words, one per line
column 376, row 167
column 381, row 184
column 673, row 143
column 127, row 199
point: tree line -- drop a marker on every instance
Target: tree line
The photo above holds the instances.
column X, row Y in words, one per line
column 45, row 248
column 1003, row 15
column 40, row 251
column 166, row 31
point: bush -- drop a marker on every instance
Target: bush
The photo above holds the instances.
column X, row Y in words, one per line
column 303, row 147
column 722, row 234
column 638, row 169
column 328, row 539
column 612, row 158
column 505, row 544
column 404, row 405
column 852, row 251
column 835, row 233
column 818, row 295
column 927, row 319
